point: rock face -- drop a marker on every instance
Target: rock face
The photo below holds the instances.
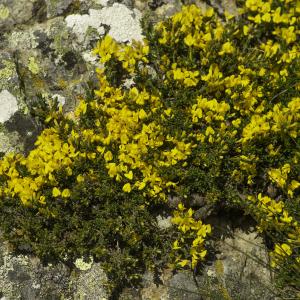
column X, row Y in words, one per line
column 24, row 277
column 237, row 270
column 45, row 49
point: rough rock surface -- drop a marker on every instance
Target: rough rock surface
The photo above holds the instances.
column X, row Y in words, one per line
column 89, row 285
column 45, row 49
column 237, row 270
column 24, row 277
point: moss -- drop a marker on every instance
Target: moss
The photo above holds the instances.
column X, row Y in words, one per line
column 8, row 70
column 4, row 12
column 33, row 66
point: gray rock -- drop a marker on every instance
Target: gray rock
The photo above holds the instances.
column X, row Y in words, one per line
column 25, row 277
column 238, row 271
column 9, row 78
column 10, row 142
column 241, row 268
column 14, row 12
column 59, row 7
column 8, row 105
column 89, row 285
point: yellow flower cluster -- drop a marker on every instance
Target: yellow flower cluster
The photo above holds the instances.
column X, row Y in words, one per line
column 280, row 119
column 263, row 12
column 127, row 55
column 135, row 136
column 272, row 214
column 193, row 236
column 25, row 176
column 236, row 104
column 188, row 78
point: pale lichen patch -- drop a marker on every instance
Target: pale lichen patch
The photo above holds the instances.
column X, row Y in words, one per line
column 8, row 105
column 82, row 265
column 124, row 23
column 81, row 23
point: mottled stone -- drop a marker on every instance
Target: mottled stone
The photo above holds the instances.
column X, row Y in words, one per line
column 25, row 127
column 167, row 10
column 25, row 277
column 39, row 10
column 14, row 12
column 242, row 266
column 183, row 286
column 58, row 7
column 152, row 290
column 9, row 79
column 80, row 24
column 10, row 142
column 237, row 270
column 90, row 284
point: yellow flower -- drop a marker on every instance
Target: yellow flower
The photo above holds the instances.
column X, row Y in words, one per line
column 183, row 263
column 236, row 123
column 294, row 185
column 129, row 175
column 42, row 200
column 80, row 178
column 176, row 245
column 181, row 207
column 56, row 192
column 226, row 48
column 209, row 12
column 106, row 48
column 108, row 156
column 286, row 218
column 66, row 193
column 283, row 250
column 141, row 185
column 189, row 40
column 127, row 188
column 203, row 253
column 142, row 114
column 245, row 29
column 209, row 131
column 100, row 149
column 266, row 17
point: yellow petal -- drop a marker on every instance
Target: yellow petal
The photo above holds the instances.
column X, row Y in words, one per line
column 66, row 193
column 56, row 192
column 127, row 188
column 129, row 175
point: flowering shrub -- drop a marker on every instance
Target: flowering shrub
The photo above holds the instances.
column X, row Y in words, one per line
column 213, row 109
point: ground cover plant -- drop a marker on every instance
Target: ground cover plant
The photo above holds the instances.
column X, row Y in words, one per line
column 206, row 105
